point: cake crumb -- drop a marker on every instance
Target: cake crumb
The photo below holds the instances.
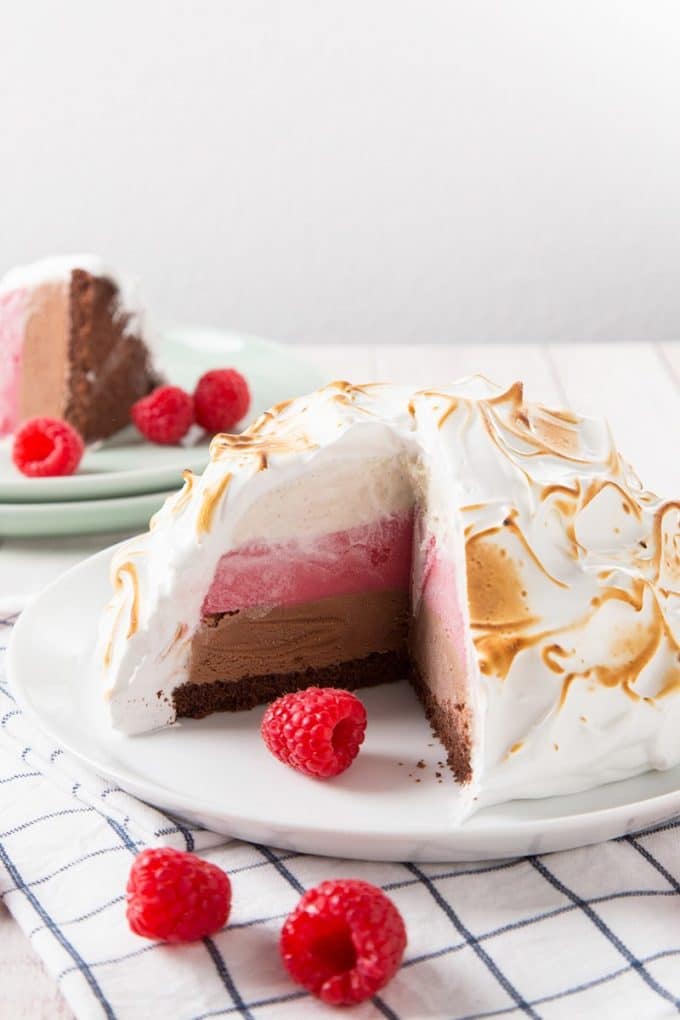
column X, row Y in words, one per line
column 438, row 775
column 417, row 780
column 583, row 718
column 420, row 764
column 556, row 746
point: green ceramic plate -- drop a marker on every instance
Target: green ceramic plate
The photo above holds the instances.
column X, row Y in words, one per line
column 127, row 465
column 82, row 517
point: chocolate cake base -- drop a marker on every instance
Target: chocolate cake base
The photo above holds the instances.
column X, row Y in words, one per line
column 450, row 724
column 196, row 700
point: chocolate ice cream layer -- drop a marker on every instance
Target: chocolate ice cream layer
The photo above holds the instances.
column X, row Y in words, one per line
column 253, row 655
column 287, row 639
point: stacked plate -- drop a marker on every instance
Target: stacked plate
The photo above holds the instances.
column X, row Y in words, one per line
column 122, row 482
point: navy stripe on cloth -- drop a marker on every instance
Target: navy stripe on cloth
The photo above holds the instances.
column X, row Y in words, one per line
column 19, row 775
column 285, row 872
column 58, row 934
column 574, row 990
column 45, row 818
column 457, row 873
column 276, row 1000
column 599, row 923
column 82, row 917
column 227, row 979
column 644, row 852
column 473, row 942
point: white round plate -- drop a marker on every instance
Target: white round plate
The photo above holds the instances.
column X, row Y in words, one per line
column 81, row 517
column 217, row 771
column 126, row 464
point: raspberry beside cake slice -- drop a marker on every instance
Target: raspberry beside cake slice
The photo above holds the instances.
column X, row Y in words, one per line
column 500, row 555
column 72, row 346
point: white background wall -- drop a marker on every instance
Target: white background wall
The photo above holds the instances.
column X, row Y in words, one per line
column 356, row 170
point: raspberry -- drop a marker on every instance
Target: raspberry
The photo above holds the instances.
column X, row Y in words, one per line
column 221, row 399
column 316, row 731
column 344, row 941
column 176, row 896
column 47, row 446
column 165, row 416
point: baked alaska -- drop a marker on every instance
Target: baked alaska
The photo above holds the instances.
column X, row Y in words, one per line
column 499, row 555
column 72, row 346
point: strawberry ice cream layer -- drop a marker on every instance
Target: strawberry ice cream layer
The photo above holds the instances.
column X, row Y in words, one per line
column 440, row 652
column 441, row 596
column 371, row 557
column 442, row 599
column 12, row 319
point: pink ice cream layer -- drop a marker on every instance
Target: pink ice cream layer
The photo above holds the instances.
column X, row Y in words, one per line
column 368, row 558
column 439, row 588
column 12, row 319
column 441, row 595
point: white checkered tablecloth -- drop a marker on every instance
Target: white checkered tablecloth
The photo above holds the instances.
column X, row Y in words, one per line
column 587, row 933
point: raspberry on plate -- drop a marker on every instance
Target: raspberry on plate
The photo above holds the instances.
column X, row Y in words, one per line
column 165, row 416
column 317, row 731
column 221, row 399
column 176, row 896
column 344, row 941
column 47, row 446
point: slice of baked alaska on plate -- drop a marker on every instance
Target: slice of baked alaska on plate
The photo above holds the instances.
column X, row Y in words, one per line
column 500, row 556
column 74, row 344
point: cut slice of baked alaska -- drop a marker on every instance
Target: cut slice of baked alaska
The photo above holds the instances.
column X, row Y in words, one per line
column 499, row 555
column 73, row 345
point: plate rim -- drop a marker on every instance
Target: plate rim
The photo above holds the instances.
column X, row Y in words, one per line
column 74, row 504
column 115, row 515
column 195, row 461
